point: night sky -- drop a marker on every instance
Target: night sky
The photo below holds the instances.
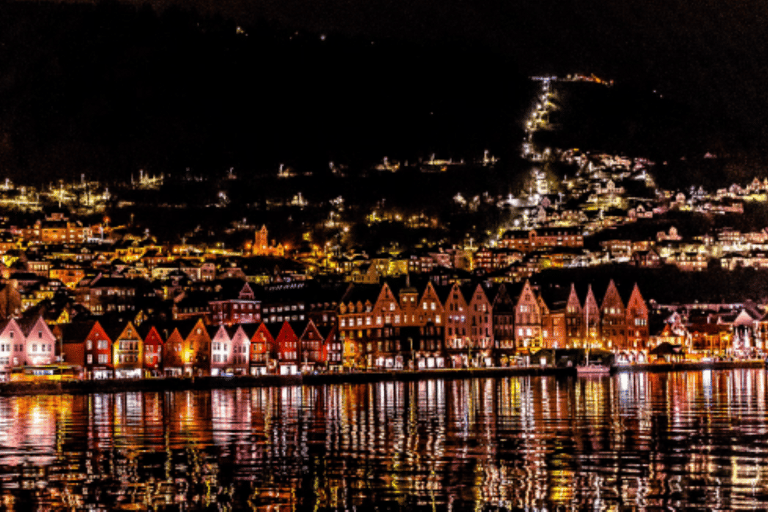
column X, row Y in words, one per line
column 113, row 88
column 712, row 54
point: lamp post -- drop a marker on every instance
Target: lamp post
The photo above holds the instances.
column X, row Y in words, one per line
column 411, row 363
column 469, row 352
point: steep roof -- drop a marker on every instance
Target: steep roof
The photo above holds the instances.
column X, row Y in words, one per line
column 76, row 332
column 556, row 296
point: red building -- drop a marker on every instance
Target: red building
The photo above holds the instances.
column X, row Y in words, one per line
column 263, row 349
column 86, row 344
column 288, row 347
column 153, row 350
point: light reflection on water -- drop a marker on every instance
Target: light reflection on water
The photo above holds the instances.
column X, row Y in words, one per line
column 652, row 441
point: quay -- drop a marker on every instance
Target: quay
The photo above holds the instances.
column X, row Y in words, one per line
column 208, row 383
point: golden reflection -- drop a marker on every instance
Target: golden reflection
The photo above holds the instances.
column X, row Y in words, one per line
column 638, row 440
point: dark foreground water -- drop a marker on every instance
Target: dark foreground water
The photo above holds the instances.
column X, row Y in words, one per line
column 645, row 441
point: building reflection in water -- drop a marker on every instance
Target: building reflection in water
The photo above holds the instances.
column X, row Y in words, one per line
column 678, row 440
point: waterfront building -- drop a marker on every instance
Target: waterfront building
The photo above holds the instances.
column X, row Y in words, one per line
column 153, row 349
column 334, row 349
column 457, row 341
column 503, row 319
column 173, row 351
column 13, row 349
column 528, row 320
column 613, row 323
column 221, row 350
column 553, row 302
column 197, row 344
column 239, row 362
column 288, row 347
column 127, row 350
column 86, row 345
column 263, row 349
column 591, row 331
column 637, row 321
column 574, row 320
column 312, row 348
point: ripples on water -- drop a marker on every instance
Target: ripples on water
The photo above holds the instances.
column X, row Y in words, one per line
column 645, row 441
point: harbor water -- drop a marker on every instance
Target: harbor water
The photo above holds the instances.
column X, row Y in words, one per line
column 652, row 441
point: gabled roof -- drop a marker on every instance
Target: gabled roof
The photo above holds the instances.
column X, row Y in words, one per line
column 251, row 328
column 214, row 329
column 114, row 328
column 27, row 323
column 556, row 296
column 76, row 332
column 184, row 327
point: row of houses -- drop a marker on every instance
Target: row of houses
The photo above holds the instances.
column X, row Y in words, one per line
column 394, row 325
column 103, row 350
column 477, row 325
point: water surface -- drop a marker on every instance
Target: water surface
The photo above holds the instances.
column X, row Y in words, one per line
column 632, row 441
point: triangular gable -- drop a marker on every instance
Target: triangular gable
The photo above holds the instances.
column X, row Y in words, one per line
column 612, row 299
column 636, row 303
column 743, row 319
column 218, row 334
column 573, row 305
column 527, row 297
column 428, row 297
column 386, row 302
column 479, row 297
column 246, row 293
column 311, row 333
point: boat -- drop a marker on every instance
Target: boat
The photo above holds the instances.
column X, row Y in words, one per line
column 593, row 369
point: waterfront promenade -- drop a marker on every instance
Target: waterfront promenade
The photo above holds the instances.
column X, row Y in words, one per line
column 206, row 383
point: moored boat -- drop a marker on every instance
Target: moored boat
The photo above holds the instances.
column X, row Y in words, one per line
column 593, row 369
